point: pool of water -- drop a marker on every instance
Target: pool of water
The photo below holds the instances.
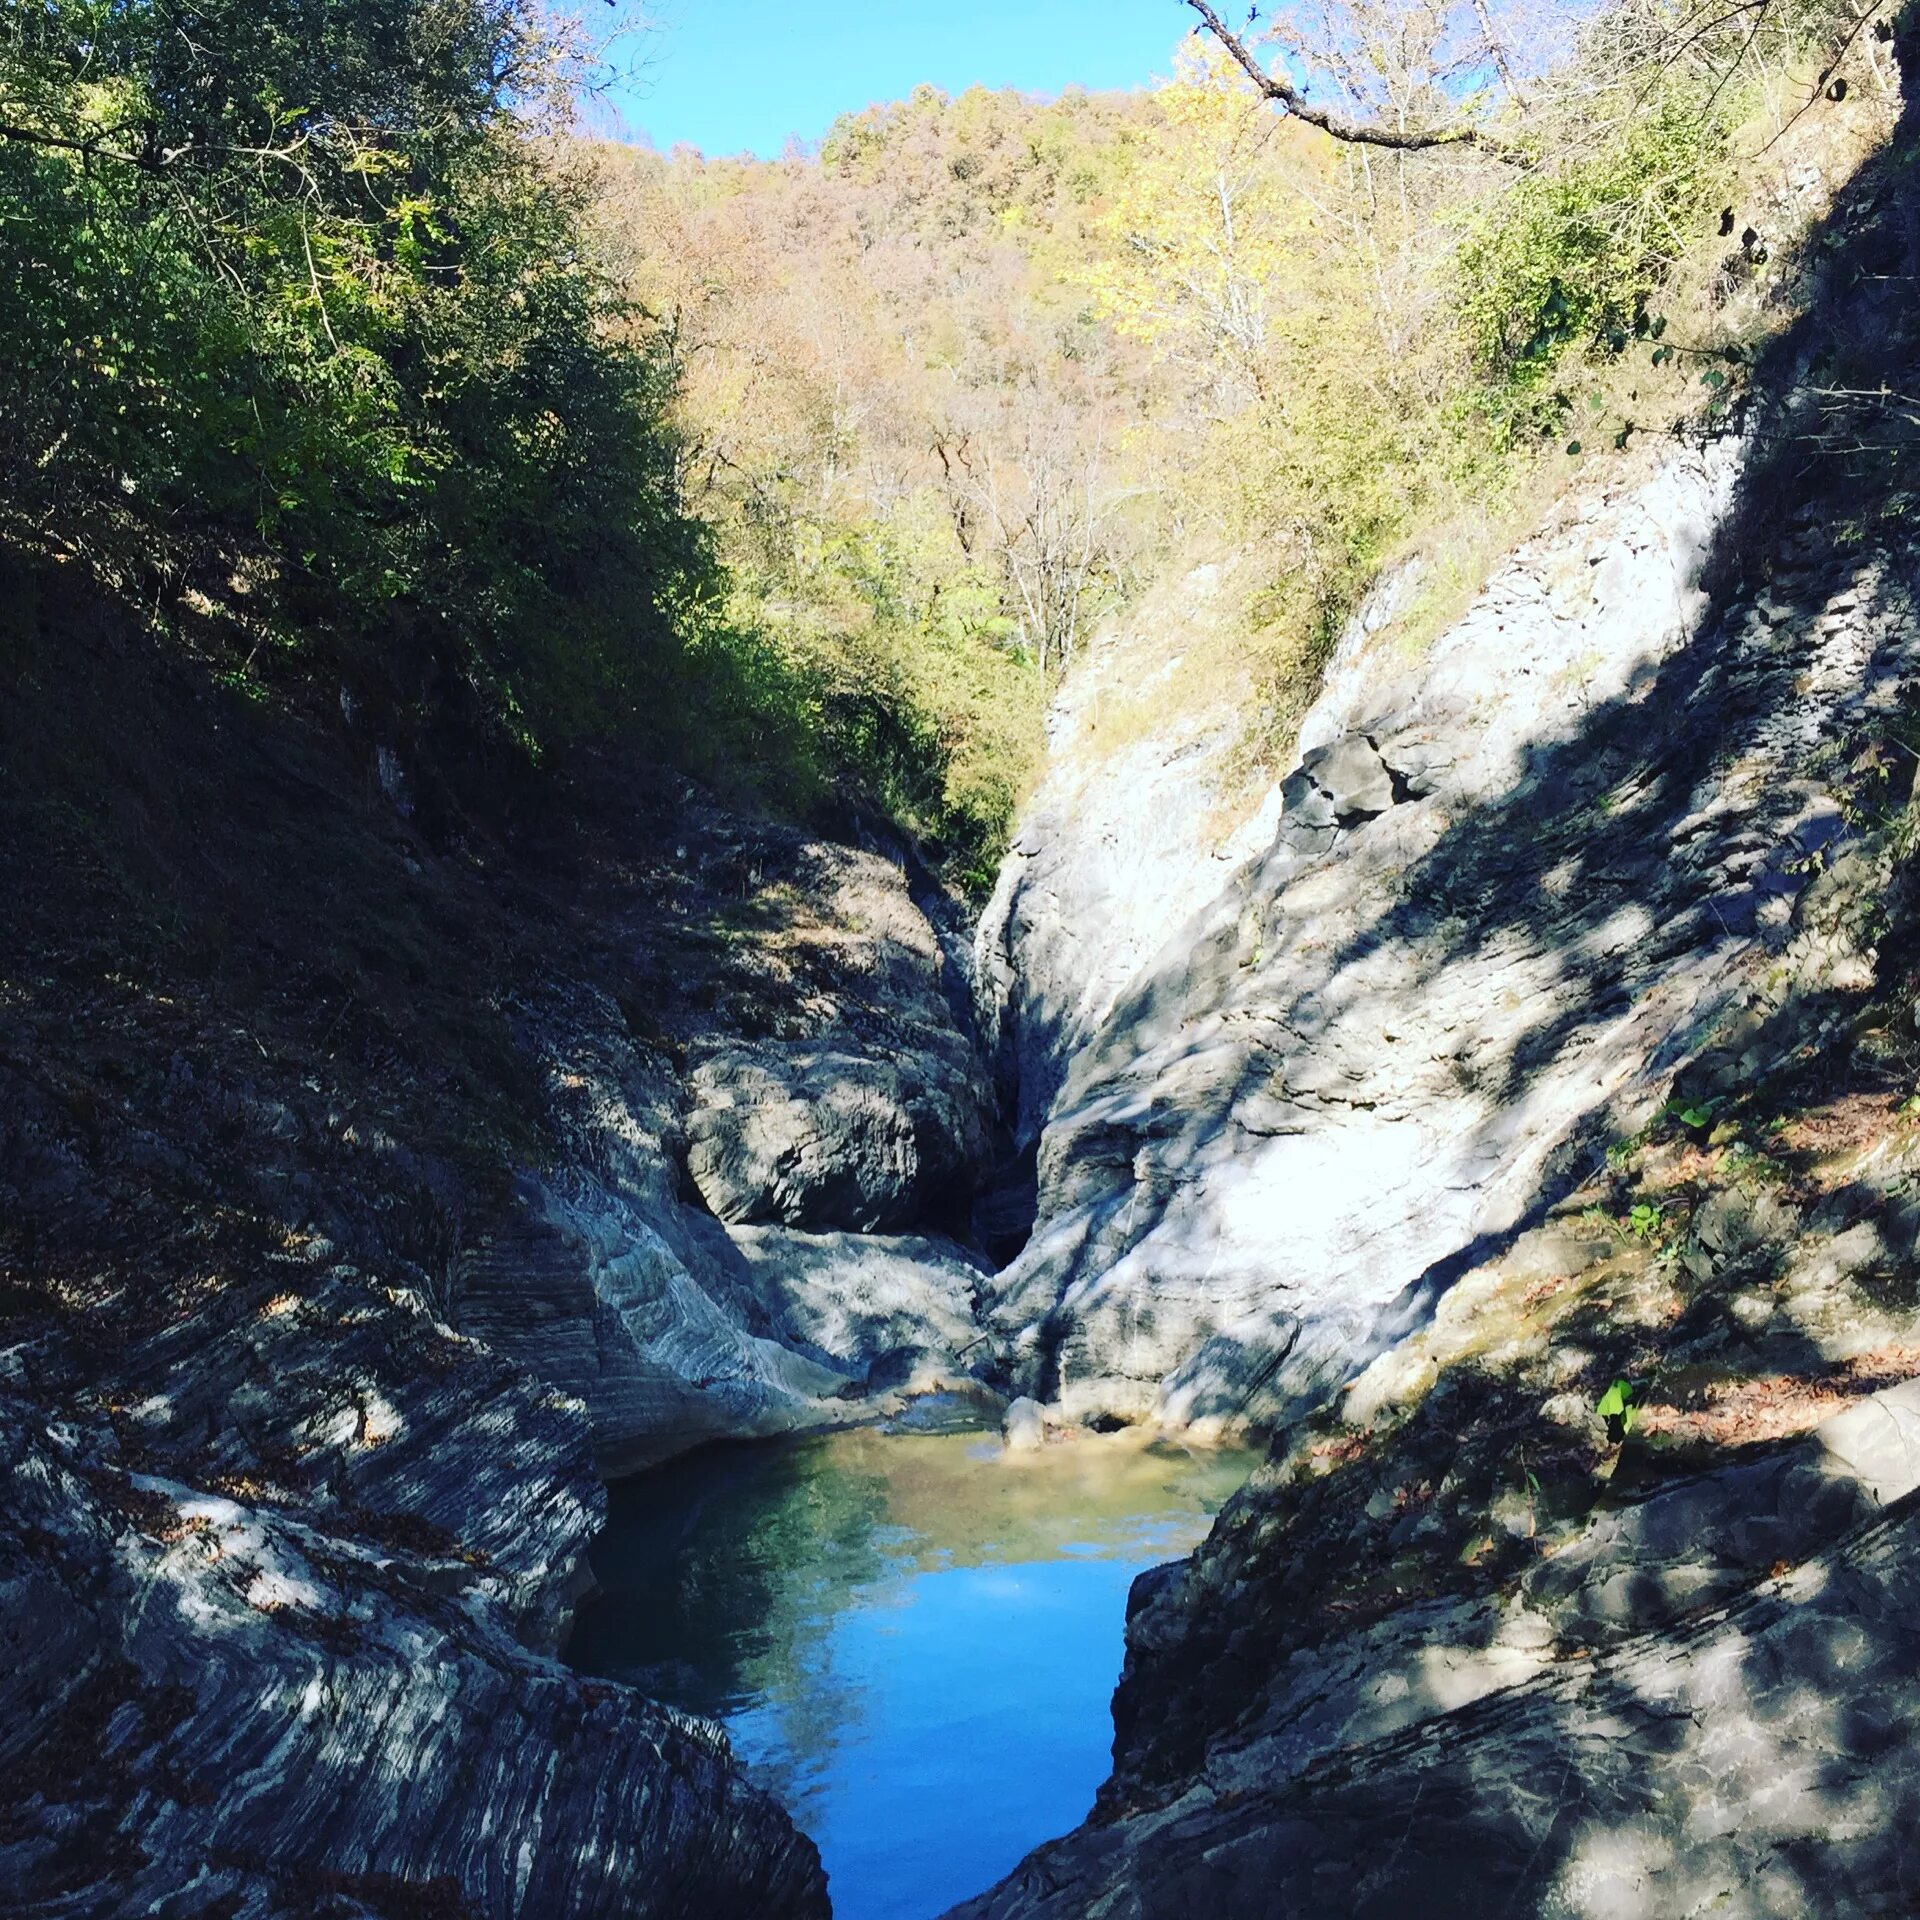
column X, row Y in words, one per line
column 912, row 1638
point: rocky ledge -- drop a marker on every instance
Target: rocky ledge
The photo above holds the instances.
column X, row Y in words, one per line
column 211, row 1710
column 352, row 1229
column 1527, row 1138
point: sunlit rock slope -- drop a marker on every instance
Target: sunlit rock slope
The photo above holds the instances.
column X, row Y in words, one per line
column 1527, row 1136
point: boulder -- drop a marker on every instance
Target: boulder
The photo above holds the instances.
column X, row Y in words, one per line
column 1352, row 775
column 1726, row 1713
column 1025, row 1428
column 1419, row 760
column 824, row 1139
column 1307, row 822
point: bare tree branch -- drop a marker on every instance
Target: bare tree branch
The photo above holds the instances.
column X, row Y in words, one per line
column 151, row 158
column 87, row 149
column 1282, row 92
column 1497, row 51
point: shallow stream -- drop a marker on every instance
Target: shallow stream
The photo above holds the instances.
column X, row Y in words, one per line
column 911, row 1638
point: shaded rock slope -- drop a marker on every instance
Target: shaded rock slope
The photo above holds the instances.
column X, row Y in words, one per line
column 371, row 1177
column 1527, row 1137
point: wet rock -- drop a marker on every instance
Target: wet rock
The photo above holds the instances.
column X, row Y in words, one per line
column 1025, row 1428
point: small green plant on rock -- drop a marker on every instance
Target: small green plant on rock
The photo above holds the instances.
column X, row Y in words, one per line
column 1696, row 1115
column 1646, row 1219
column 1619, row 1408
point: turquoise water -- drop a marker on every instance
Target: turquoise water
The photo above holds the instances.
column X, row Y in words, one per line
column 912, row 1639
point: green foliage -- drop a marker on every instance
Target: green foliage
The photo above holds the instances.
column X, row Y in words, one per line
column 813, row 472
column 1571, row 256
column 1618, row 1407
column 295, row 284
column 890, row 409
column 903, row 672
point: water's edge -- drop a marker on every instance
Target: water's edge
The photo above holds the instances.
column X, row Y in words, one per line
column 911, row 1636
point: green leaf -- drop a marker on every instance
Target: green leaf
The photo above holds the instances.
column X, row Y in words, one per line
column 1573, row 446
column 1713, row 377
column 1617, row 1404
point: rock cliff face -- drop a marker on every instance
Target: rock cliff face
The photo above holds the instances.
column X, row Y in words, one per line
column 756, row 1054
column 1525, row 1136
column 359, row 1183
column 1473, row 946
column 1124, row 842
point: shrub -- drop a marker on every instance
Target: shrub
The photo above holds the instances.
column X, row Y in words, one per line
column 1571, row 256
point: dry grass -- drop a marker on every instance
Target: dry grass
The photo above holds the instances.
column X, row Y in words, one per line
column 1789, row 161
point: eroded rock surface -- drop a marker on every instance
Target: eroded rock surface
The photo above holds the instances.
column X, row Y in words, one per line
column 825, row 1139
column 775, row 1052
column 346, row 1241
column 1755, row 1765
column 1379, row 1047
column 210, row 1709
column 890, row 1304
column 1536, row 1154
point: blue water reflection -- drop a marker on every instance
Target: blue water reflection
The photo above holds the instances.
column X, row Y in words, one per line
column 911, row 1639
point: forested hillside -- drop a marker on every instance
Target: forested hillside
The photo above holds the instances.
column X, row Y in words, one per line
column 339, row 352
column 981, row 370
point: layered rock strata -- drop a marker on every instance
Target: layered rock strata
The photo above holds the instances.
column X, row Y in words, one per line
column 347, row 1239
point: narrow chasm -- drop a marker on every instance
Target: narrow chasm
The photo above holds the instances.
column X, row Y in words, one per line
column 1021, row 1020
column 907, row 1611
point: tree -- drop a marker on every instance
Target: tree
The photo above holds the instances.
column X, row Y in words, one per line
column 1045, row 508
column 300, row 282
column 1418, row 74
column 1201, row 232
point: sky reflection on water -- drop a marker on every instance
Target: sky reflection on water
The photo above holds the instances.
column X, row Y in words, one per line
column 910, row 1639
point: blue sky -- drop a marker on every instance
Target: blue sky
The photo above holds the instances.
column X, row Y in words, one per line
column 734, row 76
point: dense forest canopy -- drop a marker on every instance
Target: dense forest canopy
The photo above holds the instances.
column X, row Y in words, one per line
column 812, row 474
column 298, row 299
